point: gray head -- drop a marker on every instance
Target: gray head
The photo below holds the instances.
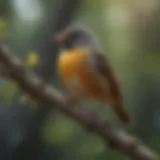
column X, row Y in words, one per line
column 75, row 36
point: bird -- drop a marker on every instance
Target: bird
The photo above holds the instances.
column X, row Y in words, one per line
column 87, row 72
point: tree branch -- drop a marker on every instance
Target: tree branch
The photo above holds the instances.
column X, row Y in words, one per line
column 34, row 86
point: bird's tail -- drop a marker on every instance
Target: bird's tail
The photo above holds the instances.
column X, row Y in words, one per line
column 123, row 115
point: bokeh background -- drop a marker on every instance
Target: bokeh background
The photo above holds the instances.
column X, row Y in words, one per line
column 129, row 32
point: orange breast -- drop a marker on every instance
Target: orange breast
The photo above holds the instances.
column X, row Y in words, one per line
column 79, row 76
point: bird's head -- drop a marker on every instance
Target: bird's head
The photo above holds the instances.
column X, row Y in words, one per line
column 73, row 37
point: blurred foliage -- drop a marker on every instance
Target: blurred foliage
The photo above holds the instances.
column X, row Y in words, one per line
column 128, row 32
column 3, row 28
column 9, row 85
column 12, row 88
column 59, row 131
column 4, row 7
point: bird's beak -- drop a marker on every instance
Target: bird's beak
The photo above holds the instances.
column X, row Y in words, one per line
column 59, row 38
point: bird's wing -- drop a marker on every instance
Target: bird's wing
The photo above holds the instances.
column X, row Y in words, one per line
column 103, row 66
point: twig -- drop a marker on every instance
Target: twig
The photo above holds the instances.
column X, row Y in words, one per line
column 31, row 84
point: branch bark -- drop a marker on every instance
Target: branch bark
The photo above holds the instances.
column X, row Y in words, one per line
column 34, row 86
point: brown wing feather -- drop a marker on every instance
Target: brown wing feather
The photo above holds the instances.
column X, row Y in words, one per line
column 105, row 69
column 115, row 94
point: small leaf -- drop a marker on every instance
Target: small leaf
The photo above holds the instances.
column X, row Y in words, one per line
column 32, row 59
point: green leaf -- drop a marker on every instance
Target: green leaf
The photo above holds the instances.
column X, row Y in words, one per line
column 32, row 59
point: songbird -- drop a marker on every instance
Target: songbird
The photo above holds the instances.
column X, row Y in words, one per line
column 87, row 72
